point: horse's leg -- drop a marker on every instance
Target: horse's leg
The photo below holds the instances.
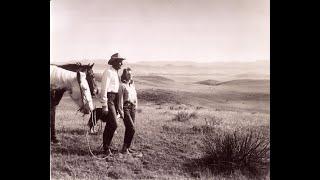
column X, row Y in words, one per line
column 52, row 124
column 56, row 96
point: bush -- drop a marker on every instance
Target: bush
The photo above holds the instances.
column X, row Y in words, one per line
column 215, row 121
column 229, row 152
column 183, row 116
column 209, row 127
column 171, row 129
column 203, row 128
column 193, row 115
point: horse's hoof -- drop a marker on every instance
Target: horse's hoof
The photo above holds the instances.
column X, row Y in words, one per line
column 107, row 152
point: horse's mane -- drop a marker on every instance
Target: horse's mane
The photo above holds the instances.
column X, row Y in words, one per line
column 60, row 78
column 75, row 66
column 72, row 64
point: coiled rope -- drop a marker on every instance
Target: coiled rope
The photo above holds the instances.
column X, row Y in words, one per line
column 94, row 122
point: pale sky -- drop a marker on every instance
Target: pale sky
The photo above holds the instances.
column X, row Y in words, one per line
column 155, row 30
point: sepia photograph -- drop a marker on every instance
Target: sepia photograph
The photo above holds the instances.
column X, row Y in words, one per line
column 160, row 89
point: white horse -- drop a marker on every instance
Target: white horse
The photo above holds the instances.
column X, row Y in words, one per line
column 73, row 82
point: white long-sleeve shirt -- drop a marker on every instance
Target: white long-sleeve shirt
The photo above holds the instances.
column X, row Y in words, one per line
column 109, row 83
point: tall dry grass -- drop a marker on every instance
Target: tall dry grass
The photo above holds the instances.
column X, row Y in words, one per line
column 166, row 144
column 244, row 151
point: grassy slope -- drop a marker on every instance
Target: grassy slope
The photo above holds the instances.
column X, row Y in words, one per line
column 168, row 147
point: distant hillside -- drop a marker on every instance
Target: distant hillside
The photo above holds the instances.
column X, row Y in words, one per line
column 243, row 82
column 256, row 64
column 247, row 82
column 221, row 71
column 153, row 81
column 227, row 100
column 209, row 82
column 154, row 78
column 159, row 96
column 252, row 76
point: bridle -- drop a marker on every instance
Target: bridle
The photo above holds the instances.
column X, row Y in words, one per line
column 90, row 78
column 94, row 121
column 81, row 92
column 93, row 118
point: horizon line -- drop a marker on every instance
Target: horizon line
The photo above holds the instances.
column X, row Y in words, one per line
column 164, row 61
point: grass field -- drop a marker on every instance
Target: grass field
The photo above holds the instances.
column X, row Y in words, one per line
column 169, row 147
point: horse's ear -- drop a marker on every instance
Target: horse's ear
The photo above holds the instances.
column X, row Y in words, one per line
column 92, row 65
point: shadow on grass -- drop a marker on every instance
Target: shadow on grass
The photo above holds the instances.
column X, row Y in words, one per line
column 74, row 150
column 194, row 167
column 158, row 96
column 72, row 131
column 76, row 144
column 194, row 130
column 197, row 167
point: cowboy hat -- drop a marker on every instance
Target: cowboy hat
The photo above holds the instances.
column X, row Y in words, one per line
column 114, row 58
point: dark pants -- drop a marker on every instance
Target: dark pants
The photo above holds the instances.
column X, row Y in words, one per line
column 129, row 118
column 111, row 120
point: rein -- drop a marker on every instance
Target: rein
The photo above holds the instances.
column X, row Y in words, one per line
column 94, row 121
column 79, row 82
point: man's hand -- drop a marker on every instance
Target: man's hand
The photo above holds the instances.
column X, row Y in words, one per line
column 105, row 110
column 121, row 115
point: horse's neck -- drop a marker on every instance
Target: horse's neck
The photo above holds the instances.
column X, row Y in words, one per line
column 61, row 78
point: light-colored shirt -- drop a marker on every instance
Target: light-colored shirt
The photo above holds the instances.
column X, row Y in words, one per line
column 110, row 83
column 127, row 92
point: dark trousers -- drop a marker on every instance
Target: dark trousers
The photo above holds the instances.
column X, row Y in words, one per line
column 129, row 118
column 110, row 119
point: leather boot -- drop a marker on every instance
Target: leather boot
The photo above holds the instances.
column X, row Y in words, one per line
column 107, row 151
column 131, row 151
column 125, row 149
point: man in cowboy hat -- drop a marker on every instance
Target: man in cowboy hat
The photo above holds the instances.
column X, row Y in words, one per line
column 109, row 97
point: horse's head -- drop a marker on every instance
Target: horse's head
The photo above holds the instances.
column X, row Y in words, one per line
column 87, row 69
column 80, row 93
column 91, row 79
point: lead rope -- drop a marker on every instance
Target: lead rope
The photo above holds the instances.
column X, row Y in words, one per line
column 94, row 121
column 93, row 117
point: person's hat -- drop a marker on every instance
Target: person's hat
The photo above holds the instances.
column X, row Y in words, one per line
column 114, row 58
